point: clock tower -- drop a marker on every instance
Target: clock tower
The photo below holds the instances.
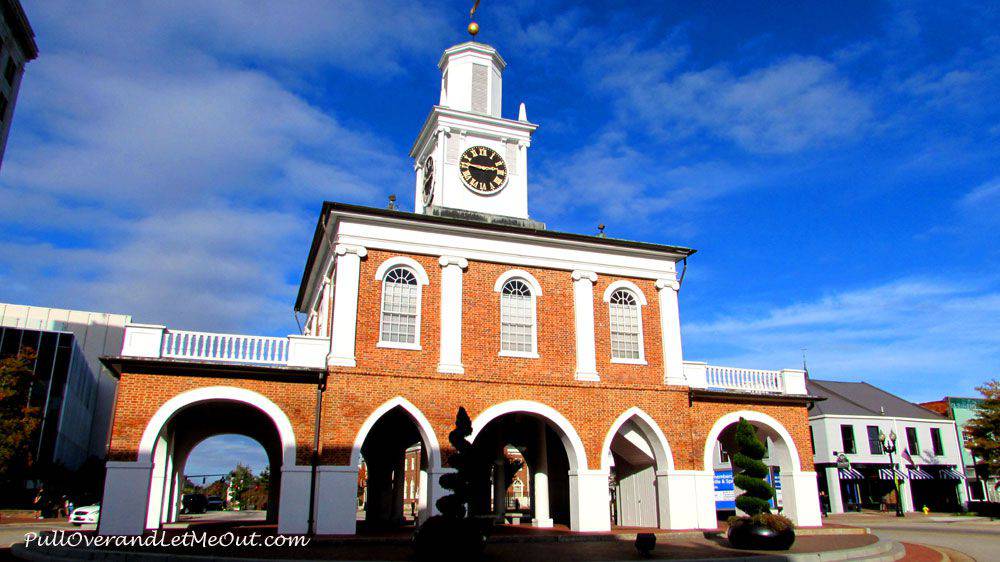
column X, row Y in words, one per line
column 470, row 162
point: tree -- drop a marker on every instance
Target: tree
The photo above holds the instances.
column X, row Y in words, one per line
column 756, row 491
column 983, row 430
column 240, row 481
column 19, row 419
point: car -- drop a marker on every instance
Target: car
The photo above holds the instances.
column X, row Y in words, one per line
column 215, row 503
column 88, row 514
column 194, row 503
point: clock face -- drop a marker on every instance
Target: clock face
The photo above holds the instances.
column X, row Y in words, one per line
column 428, row 180
column 483, row 170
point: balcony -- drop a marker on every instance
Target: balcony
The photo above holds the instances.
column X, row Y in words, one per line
column 157, row 342
column 752, row 381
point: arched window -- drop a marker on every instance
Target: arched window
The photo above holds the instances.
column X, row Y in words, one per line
column 517, row 318
column 400, row 325
column 626, row 327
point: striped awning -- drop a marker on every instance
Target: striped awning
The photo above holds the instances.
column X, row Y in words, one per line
column 887, row 474
column 917, row 474
column 850, row 474
column 950, row 474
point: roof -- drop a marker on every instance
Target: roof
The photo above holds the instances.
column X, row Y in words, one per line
column 16, row 19
column 677, row 252
column 863, row 399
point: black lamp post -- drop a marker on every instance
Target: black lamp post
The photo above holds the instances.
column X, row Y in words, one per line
column 889, row 446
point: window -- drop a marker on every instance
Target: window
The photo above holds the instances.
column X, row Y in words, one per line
column 723, row 454
column 912, row 444
column 847, row 436
column 626, row 334
column 812, row 440
column 10, row 70
column 874, row 444
column 400, row 307
column 517, row 318
column 936, row 441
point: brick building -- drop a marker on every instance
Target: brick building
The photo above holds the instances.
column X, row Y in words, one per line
column 563, row 347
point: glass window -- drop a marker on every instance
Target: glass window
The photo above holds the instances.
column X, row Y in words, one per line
column 936, row 441
column 723, row 454
column 912, row 444
column 10, row 70
column 400, row 306
column 874, row 445
column 517, row 317
column 626, row 339
column 847, row 436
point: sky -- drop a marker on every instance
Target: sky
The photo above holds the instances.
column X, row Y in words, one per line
column 835, row 164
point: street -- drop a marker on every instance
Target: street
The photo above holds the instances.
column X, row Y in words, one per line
column 976, row 537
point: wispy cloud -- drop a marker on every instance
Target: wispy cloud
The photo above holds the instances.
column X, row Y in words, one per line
column 220, row 454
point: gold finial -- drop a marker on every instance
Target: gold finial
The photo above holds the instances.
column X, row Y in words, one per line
column 473, row 26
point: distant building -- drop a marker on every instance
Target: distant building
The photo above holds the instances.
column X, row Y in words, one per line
column 17, row 47
column 961, row 410
column 93, row 334
column 846, row 426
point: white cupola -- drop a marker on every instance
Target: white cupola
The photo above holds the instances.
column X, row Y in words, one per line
column 469, row 160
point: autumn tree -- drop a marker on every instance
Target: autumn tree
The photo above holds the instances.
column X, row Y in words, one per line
column 983, row 430
column 241, row 480
column 19, row 416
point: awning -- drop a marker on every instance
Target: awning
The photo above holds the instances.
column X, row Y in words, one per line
column 887, row 474
column 950, row 474
column 917, row 474
column 850, row 474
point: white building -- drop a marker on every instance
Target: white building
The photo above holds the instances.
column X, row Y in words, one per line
column 928, row 461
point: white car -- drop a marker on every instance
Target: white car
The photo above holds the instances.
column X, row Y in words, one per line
column 87, row 514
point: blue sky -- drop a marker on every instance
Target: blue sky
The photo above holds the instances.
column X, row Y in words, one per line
column 834, row 163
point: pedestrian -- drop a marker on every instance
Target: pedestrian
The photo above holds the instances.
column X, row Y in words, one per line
column 823, row 503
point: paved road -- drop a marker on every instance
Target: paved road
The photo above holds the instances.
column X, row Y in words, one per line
column 977, row 537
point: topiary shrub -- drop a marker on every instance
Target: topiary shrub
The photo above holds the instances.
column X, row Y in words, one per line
column 756, row 491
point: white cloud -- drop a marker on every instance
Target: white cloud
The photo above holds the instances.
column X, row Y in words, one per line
column 221, row 453
column 984, row 200
column 918, row 337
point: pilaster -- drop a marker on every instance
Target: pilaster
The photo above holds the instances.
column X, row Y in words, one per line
column 583, row 311
column 345, row 305
column 451, row 314
column 670, row 330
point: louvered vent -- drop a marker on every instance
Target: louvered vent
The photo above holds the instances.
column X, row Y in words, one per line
column 480, row 87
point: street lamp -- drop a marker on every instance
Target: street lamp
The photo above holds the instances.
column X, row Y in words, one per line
column 889, row 446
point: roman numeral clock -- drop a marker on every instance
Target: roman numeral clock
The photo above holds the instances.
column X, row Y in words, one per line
column 483, row 170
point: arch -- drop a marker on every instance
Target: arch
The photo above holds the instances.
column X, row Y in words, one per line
column 575, row 451
column 733, row 417
column 424, row 427
column 405, row 261
column 627, row 285
column 228, row 393
column 661, row 447
column 536, row 287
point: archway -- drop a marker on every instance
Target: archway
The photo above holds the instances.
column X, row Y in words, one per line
column 638, row 457
column 194, row 416
column 797, row 493
column 551, row 457
column 394, row 452
column 227, row 471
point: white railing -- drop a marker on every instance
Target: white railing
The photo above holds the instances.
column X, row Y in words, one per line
column 150, row 341
column 227, row 348
column 735, row 379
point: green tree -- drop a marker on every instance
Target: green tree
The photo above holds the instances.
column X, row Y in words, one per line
column 756, row 491
column 19, row 419
column 241, row 480
column 983, row 430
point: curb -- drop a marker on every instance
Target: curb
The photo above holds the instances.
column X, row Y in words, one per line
column 882, row 551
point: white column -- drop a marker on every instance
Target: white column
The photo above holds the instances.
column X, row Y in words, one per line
column 833, row 489
column 451, row 314
column 589, row 500
column 323, row 311
column 684, row 500
column 157, row 483
column 670, row 330
column 800, row 496
column 435, row 490
column 540, row 486
column 583, row 309
column 336, row 500
column 124, row 505
column 345, row 305
column 423, row 508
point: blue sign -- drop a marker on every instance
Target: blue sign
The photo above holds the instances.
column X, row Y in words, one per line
column 725, row 492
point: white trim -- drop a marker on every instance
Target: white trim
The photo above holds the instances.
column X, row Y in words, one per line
column 521, row 354
column 575, row 451
column 536, row 288
column 657, row 440
column 418, row 270
column 752, row 416
column 399, row 344
column 424, row 427
column 641, row 361
column 167, row 411
column 628, row 285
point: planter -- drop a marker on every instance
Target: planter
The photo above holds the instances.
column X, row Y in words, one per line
column 445, row 538
column 755, row 536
